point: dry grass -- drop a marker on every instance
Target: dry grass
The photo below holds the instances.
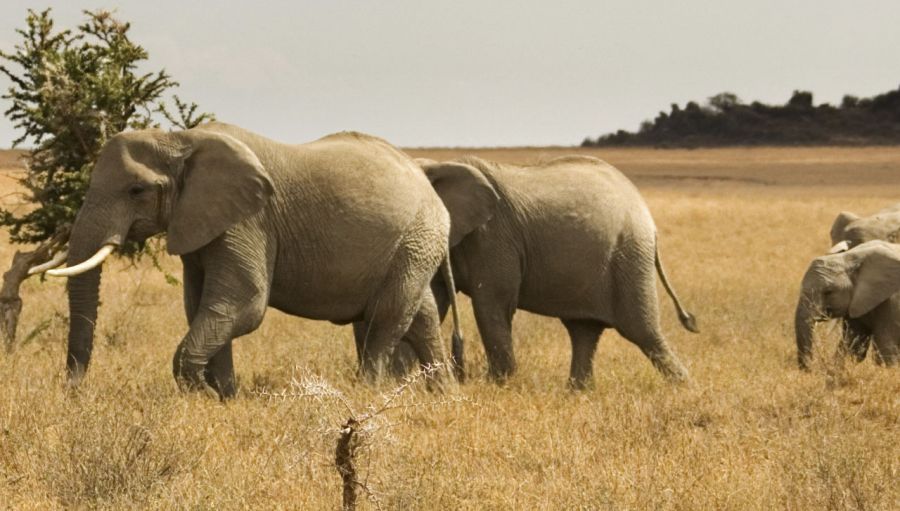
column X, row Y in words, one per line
column 738, row 228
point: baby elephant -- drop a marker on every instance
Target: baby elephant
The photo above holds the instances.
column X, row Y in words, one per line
column 860, row 284
column 848, row 231
column 570, row 239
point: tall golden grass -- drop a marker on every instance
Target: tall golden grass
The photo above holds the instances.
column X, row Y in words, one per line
column 737, row 229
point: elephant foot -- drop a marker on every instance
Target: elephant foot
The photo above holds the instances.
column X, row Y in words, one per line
column 580, row 384
column 404, row 360
column 500, row 372
column 223, row 385
column 675, row 373
column 500, row 377
column 442, row 381
column 191, row 377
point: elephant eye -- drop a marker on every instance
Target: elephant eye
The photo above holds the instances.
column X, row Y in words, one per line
column 136, row 190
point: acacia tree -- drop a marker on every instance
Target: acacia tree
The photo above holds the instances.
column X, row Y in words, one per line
column 71, row 91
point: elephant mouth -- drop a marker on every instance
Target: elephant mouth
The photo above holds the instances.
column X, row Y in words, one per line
column 142, row 229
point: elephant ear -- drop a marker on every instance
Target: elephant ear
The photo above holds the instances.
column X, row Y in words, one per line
column 222, row 182
column 877, row 278
column 837, row 228
column 467, row 194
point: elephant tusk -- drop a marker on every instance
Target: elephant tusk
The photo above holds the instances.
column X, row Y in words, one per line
column 90, row 264
column 839, row 247
column 57, row 260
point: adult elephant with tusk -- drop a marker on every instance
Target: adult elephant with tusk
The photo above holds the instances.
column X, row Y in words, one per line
column 345, row 228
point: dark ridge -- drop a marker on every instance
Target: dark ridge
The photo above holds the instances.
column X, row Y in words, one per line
column 725, row 121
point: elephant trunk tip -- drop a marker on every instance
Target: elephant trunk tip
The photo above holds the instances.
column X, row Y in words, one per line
column 689, row 321
column 75, row 372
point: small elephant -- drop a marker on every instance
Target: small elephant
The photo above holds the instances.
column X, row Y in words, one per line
column 848, row 231
column 860, row 284
column 571, row 239
column 345, row 228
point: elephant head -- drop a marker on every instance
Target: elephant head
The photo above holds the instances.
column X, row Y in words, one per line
column 192, row 184
column 844, row 285
column 850, row 230
column 467, row 194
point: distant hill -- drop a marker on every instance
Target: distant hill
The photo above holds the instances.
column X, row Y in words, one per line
column 725, row 121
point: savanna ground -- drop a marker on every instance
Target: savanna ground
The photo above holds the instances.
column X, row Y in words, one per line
column 737, row 229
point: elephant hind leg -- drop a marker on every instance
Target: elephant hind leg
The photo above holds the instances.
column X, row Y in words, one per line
column 637, row 319
column 585, row 334
column 655, row 347
column 404, row 358
column 424, row 336
column 395, row 306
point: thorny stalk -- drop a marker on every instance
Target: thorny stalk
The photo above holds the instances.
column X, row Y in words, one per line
column 355, row 432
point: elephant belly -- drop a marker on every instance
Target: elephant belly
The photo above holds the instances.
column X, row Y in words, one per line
column 341, row 302
column 569, row 276
column 568, row 298
column 334, row 284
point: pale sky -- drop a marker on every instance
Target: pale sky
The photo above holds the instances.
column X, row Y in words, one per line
column 487, row 73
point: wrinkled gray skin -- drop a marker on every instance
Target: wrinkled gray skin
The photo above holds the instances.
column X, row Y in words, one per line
column 860, row 284
column 571, row 239
column 848, row 231
column 345, row 228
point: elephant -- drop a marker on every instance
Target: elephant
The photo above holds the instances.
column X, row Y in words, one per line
column 848, row 231
column 571, row 239
column 861, row 284
column 345, row 228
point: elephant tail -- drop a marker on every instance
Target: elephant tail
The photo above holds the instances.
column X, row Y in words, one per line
column 457, row 345
column 687, row 319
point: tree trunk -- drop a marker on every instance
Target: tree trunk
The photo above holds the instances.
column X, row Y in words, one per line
column 10, row 301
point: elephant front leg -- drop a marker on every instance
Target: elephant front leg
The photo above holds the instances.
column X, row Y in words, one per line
column 887, row 345
column 204, row 358
column 585, row 334
column 219, row 373
column 494, row 319
column 855, row 339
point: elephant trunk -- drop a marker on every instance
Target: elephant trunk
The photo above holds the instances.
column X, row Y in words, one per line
column 83, row 298
column 805, row 319
column 87, row 238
